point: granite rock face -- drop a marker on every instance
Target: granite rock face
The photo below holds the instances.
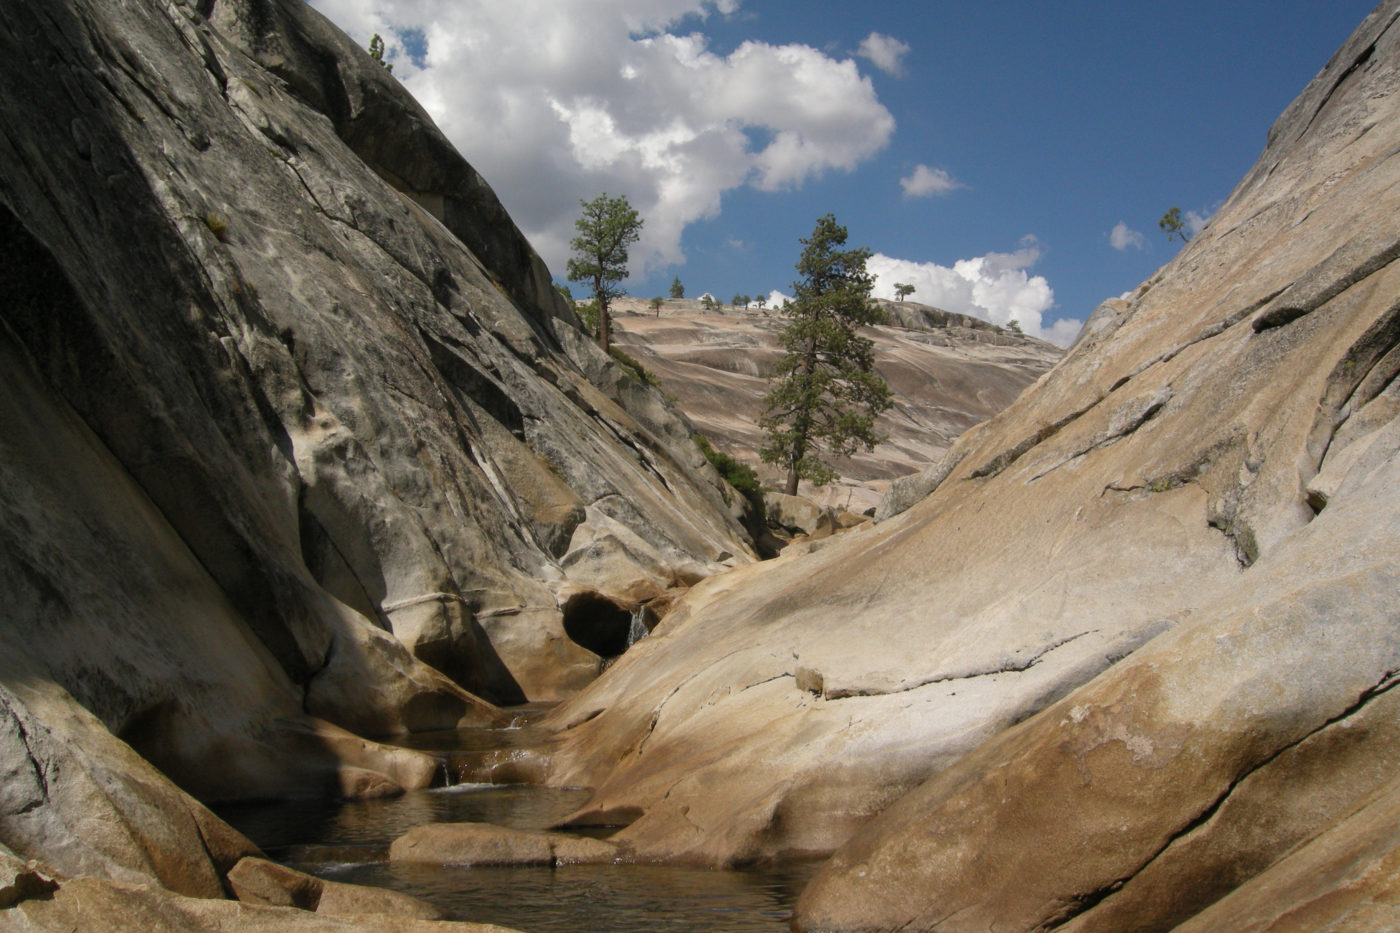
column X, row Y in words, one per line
column 947, row 371
column 298, row 442
column 283, row 367
column 1128, row 648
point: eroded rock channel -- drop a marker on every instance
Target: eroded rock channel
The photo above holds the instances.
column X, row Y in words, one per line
column 488, row 846
column 300, row 446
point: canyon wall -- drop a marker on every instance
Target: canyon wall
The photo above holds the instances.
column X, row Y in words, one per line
column 298, row 443
column 1127, row 648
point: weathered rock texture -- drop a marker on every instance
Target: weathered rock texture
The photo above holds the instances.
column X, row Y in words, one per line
column 1133, row 649
column 948, row 373
column 296, row 439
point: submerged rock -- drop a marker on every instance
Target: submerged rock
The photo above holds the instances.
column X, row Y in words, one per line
column 258, row 881
column 486, row 844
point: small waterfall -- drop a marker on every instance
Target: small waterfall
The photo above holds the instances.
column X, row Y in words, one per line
column 638, row 630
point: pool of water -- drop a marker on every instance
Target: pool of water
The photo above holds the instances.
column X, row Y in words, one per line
column 601, row 898
column 348, row 841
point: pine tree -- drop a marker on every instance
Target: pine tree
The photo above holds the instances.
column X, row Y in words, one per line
column 606, row 229
column 376, row 52
column 825, row 393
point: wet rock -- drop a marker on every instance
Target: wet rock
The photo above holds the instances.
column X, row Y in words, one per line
column 258, row 881
column 486, row 844
column 97, row 904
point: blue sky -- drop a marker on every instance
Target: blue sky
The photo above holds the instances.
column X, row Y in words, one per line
column 1010, row 159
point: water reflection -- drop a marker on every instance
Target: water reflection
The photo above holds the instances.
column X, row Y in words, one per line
column 604, row 898
column 349, row 841
column 281, row 825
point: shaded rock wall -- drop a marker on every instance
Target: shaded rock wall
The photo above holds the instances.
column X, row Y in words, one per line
column 296, row 439
column 1130, row 643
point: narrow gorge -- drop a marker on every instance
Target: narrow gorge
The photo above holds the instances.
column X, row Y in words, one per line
column 308, row 466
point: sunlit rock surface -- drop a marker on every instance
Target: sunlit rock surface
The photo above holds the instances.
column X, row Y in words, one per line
column 1132, row 644
column 947, row 371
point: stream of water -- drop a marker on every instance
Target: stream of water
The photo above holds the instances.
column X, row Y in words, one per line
column 348, row 841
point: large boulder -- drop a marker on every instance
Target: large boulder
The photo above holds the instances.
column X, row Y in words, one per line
column 1126, row 648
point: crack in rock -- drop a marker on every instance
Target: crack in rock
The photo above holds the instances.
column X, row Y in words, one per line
column 1123, row 422
column 1083, row 903
column 1354, row 261
column 1006, row 667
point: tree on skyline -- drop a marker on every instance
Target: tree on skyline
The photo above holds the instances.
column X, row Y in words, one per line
column 902, row 291
column 825, row 394
column 1173, row 226
column 607, row 227
column 376, row 52
column 677, row 289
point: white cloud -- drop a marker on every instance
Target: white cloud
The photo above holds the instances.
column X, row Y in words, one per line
column 1194, row 222
column 556, row 102
column 1123, row 236
column 884, row 52
column 995, row 287
column 927, row 181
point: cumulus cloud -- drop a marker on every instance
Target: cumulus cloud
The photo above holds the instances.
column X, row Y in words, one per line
column 557, row 102
column 1122, row 236
column 925, row 181
column 995, row 287
column 1194, row 222
column 884, row 52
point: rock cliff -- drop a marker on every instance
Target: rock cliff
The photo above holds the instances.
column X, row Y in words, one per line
column 297, row 440
column 1129, row 654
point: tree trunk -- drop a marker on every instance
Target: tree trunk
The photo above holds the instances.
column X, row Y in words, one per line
column 791, row 487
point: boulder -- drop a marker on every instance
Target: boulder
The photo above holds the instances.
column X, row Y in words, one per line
column 797, row 515
column 81, row 802
column 487, row 844
column 98, row 904
column 258, row 881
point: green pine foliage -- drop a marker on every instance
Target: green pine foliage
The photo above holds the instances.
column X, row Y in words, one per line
column 1174, row 226
column 825, row 393
column 606, row 228
column 739, row 475
column 636, row 370
column 376, row 52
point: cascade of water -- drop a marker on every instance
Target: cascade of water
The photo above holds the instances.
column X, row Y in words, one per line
column 638, row 629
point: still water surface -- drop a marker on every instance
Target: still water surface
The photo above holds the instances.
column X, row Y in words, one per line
column 348, row 841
